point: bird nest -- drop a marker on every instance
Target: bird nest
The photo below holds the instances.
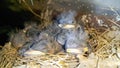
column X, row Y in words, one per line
column 104, row 41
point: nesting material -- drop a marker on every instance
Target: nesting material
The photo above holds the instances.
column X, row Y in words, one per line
column 66, row 61
column 8, row 55
column 104, row 40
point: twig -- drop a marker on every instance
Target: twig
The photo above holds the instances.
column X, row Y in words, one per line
column 117, row 56
column 97, row 64
column 78, row 65
column 31, row 2
column 31, row 9
column 114, row 23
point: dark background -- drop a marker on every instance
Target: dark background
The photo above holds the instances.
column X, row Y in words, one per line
column 11, row 20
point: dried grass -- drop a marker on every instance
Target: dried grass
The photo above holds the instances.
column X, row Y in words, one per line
column 8, row 55
column 104, row 44
column 48, row 60
column 45, row 15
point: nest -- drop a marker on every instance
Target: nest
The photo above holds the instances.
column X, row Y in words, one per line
column 104, row 40
column 105, row 43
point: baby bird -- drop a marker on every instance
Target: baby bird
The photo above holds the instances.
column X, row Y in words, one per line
column 41, row 42
column 76, row 40
column 65, row 33
column 66, row 19
column 18, row 39
column 72, row 36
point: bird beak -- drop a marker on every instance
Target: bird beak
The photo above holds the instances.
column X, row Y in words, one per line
column 66, row 26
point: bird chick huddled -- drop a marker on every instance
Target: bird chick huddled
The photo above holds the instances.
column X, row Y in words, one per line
column 64, row 34
column 72, row 37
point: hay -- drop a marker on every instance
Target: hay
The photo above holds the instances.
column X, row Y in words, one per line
column 105, row 42
column 48, row 60
column 8, row 55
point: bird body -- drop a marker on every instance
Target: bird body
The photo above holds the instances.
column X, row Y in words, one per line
column 64, row 34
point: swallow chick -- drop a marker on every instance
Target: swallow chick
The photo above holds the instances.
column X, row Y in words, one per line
column 46, row 44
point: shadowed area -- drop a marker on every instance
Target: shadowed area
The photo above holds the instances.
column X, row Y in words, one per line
column 11, row 20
